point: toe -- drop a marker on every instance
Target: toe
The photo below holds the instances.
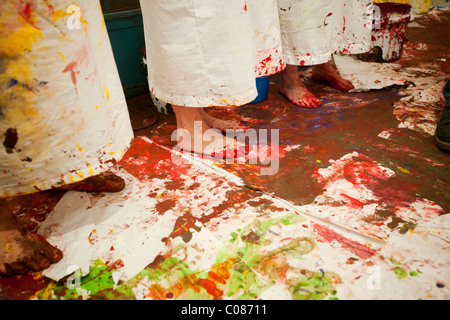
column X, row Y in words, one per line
column 18, row 268
column 32, row 264
column 45, row 249
column 42, row 261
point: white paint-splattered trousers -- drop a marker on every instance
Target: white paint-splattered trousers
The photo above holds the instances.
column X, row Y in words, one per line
column 313, row 30
column 63, row 113
column 208, row 53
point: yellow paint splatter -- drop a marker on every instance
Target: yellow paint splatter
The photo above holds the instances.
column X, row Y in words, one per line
column 403, row 170
column 59, row 14
column 91, row 171
column 16, row 42
column 84, row 21
column 48, row 292
column 80, row 148
column 106, row 92
column 81, row 174
column 62, row 56
column 9, row 247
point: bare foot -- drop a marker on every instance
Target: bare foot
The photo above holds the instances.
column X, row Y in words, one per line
column 328, row 72
column 220, row 124
column 194, row 135
column 295, row 91
column 104, row 182
column 22, row 251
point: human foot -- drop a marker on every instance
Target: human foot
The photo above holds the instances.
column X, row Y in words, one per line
column 194, row 135
column 328, row 72
column 295, row 91
column 104, row 182
column 220, row 124
column 22, row 251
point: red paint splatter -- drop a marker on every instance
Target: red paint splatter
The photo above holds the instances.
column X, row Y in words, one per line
column 357, row 248
column 147, row 161
column 71, row 67
column 325, row 20
column 235, row 198
column 169, row 295
column 364, row 172
column 354, row 203
column 210, row 287
column 25, row 12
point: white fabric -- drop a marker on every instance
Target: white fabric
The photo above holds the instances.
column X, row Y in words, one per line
column 61, row 92
column 208, row 53
column 313, row 30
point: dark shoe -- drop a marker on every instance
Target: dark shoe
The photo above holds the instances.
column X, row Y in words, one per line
column 442, row 136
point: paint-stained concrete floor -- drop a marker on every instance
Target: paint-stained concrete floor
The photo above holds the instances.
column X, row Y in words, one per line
column 356, row 210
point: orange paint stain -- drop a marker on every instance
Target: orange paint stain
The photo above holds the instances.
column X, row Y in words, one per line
column 211, row 288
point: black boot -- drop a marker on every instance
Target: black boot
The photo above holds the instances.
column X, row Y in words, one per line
column 442, row 136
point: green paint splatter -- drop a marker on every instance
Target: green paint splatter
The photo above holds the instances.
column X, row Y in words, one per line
column 98, row 284
column 262, row 226
column 248, row 271
column 400, row 273
column 400, row 270
column 312, row 286
column 234, row 237
column 255, row 261
column 245, row 284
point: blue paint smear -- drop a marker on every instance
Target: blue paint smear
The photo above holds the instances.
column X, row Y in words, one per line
column 12, row 83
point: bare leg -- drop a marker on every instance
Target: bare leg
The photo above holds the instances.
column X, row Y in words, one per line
column 328, row 72
column 293, row 88
column 22, row 251
column 195, row 135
